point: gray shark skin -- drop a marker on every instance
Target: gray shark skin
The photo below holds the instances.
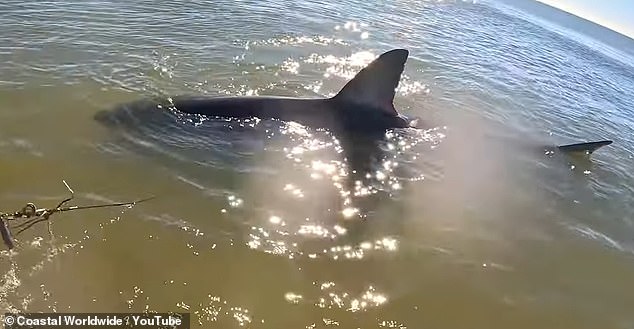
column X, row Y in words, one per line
column 584, row 148
column 363, row 105
column 578, row 150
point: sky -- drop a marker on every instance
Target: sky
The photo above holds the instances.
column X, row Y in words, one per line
column 617, row 15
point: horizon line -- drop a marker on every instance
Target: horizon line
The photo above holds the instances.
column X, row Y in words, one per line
column 619, row 30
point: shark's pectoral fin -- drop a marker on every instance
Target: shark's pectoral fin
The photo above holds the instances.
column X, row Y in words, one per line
column 375, row 85
column 586, row 148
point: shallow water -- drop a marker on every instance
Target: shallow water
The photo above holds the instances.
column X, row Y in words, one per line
column 265, row 224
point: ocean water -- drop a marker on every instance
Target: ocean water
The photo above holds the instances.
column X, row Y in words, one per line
column 266, row 224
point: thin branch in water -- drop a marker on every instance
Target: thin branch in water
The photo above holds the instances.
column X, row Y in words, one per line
column 33, row 215
column 72, row 195
column 6, row 234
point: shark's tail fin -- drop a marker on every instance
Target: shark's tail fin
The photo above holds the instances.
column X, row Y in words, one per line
column 586, row 148
column 374, row 86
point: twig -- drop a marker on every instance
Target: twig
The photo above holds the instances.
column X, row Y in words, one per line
column 34, row 215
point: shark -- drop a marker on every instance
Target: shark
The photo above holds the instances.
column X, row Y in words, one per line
column 364, row 106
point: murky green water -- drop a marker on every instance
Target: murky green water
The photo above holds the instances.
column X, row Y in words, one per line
column 263, row 224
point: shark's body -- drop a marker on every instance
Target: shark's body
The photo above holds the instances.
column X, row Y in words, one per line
column 329, row 113
column 364, row 104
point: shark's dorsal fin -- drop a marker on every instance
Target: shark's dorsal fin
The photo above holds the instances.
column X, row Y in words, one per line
column 375, row 84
